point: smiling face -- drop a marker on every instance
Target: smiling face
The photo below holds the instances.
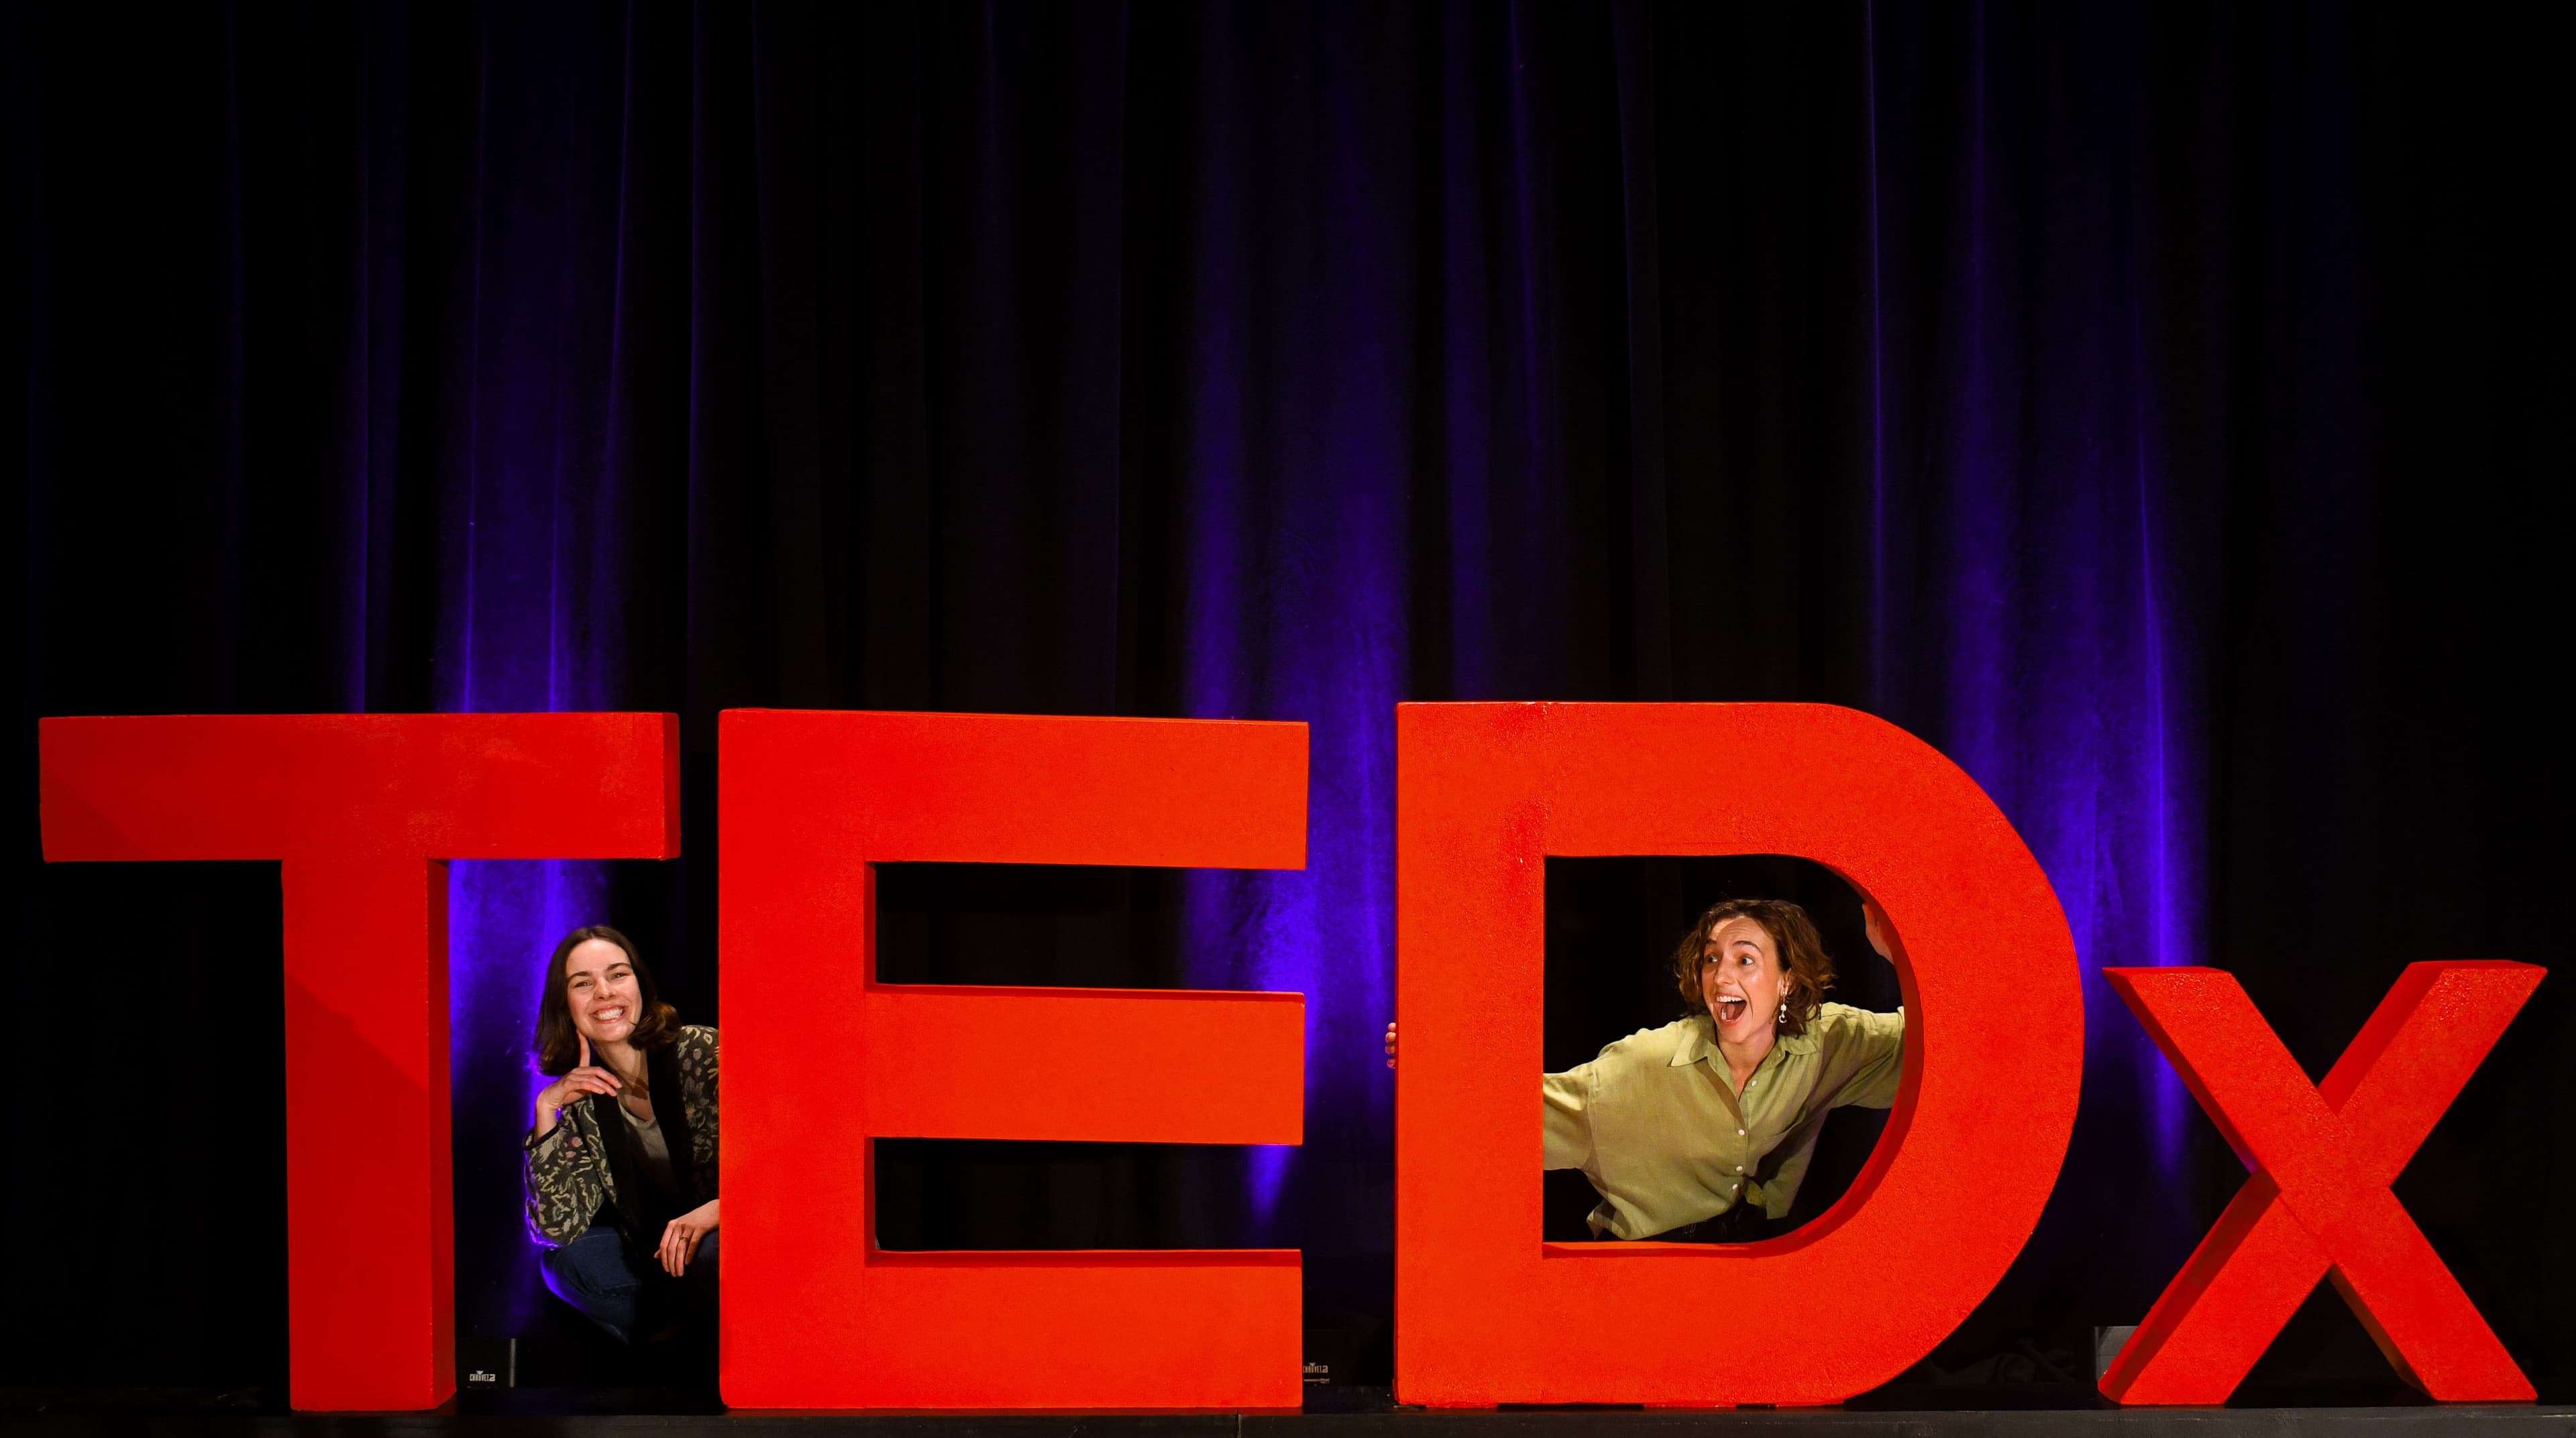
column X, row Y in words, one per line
column 1742, row 979
column 600, row 989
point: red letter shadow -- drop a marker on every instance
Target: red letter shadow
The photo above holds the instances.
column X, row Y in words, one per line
column 2323, row 1157
column 362, row 811
column 1485, row 1312
column 821, row 1059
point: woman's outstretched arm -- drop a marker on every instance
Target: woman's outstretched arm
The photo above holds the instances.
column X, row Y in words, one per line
column 1562, row 1110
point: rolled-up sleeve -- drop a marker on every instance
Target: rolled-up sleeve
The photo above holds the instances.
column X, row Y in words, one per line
column 1564, row 1103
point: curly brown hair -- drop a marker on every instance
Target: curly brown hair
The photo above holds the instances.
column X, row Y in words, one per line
column 1793, row 935
column 558, row 1047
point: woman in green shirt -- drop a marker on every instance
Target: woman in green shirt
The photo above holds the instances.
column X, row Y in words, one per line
column 1701, row 1130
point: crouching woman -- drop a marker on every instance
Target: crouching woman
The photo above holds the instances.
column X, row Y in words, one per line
column 621, row 1162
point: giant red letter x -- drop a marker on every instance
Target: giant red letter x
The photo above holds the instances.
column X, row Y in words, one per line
column 2323, row 1157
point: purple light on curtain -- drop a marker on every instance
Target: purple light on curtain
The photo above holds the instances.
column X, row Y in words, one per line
column 1296, row 457
column 2031, row 548
column 528, row 616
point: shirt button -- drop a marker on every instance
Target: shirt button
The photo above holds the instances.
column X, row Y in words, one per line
column 1739, row 1133
column 1739, row 1168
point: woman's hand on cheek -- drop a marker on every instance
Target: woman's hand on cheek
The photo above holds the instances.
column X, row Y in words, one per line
column 573, row 1087
column 681, row 1237
column 582, row 1082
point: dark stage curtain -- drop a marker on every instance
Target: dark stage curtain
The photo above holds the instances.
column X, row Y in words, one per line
column 2150, row 406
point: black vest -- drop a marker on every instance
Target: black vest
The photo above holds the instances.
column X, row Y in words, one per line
column 642, row 1210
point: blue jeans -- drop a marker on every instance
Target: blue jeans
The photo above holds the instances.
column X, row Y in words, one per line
column 592, row 1274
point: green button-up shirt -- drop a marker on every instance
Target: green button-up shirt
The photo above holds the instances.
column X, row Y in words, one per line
column 1657, row 1124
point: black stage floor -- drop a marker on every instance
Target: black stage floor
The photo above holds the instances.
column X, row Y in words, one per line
column 2021, row 1410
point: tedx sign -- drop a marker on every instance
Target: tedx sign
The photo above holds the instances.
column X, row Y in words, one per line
column 363, row 811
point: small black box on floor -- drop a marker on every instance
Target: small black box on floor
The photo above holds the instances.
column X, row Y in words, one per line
column 2107, row 1343
column 1328, row 1356
column 487, row 1363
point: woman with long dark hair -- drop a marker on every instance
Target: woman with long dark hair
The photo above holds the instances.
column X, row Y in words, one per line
column 621, row 1161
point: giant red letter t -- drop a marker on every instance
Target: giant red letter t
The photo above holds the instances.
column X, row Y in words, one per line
column 363, row 810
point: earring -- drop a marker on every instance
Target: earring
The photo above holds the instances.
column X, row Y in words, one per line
column 1784, row 1011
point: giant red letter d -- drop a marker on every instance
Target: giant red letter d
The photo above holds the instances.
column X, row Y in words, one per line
column 1485, row 1312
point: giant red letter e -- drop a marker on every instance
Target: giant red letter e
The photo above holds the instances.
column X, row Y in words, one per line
column 820, row 1059
column 1485, row 1312
column 363, row 810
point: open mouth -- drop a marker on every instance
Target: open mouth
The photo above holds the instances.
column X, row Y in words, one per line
column 608, row 1016
column 1729, row 1010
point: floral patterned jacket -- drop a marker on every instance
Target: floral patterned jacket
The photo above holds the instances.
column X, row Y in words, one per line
column 569, row 1169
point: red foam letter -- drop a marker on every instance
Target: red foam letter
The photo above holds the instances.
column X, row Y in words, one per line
column 363, row 810
column 1485, row 1312
column 2323, row 1157
column 821, row 1059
